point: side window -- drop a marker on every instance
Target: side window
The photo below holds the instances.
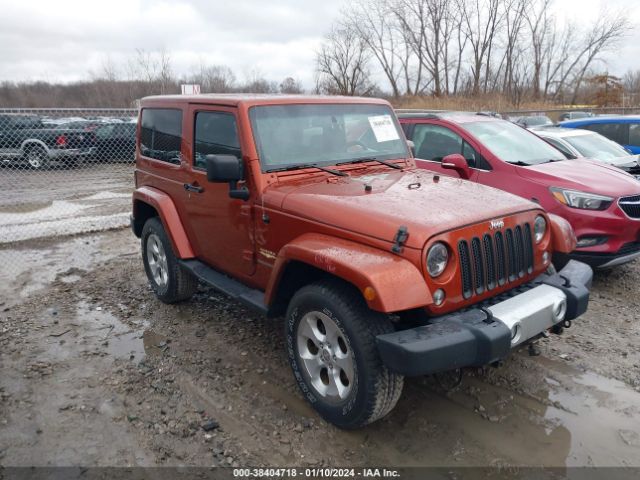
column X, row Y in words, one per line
column 216, row 133
column 472, row 157
column 160, row 134
column 634, row 134
column 434, row 142
column 618, row 132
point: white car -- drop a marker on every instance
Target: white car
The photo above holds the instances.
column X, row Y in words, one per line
column 576, row 143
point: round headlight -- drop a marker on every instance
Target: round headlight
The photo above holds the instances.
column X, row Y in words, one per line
column 437, row 259
column 539, row 228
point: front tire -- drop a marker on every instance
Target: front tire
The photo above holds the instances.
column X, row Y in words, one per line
column 169, row 281
column 330, row 340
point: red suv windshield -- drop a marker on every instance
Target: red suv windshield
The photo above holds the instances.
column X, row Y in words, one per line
column 513, row 144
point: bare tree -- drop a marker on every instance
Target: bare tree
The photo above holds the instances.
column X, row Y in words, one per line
column 165, row 71
column 213, row 78
column 631, row 85
column 428, row 27
column 481, row 21
column 153, row 68
column 539, row 24
column 372, row 21
column 342, row 63
column 256, row 83
column 608, row 30
column 558, row 46
column 290, row 86
column 514, row 19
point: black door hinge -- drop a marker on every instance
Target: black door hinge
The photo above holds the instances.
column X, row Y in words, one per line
column 400, row 239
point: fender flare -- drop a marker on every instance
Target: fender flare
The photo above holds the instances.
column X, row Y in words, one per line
column 397, row 283
column 163, row 204
column 563, row 238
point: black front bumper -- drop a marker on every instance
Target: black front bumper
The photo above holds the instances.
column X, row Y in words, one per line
column 473, row 337
column 627, row 253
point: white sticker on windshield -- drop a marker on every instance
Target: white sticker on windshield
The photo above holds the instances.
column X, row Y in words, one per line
column 383, row 128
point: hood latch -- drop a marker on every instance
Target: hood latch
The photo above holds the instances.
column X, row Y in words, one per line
column 400, row 239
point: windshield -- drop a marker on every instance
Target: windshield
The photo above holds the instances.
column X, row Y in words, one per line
column 325, row 134
column 596, row 146
column 513, row 144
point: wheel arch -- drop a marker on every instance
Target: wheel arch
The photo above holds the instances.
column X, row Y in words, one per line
column 33, row 142
column 563, row 236
column 391, row 283
column 150, row 202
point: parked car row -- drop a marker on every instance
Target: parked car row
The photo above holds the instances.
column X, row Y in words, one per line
column 613, row 139
column 601, row 202
column 622, row 129
column 576, row 143
column 25, row 139
column 38, row 142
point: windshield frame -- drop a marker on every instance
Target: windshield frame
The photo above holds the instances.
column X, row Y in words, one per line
column 356, row 157
column 552, row 154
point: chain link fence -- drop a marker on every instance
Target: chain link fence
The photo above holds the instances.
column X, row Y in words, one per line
column 70, row 171
column 64, row 171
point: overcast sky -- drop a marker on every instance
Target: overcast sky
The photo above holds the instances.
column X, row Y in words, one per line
column 65, row 40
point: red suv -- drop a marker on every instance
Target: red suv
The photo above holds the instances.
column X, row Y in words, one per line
column 601, row 202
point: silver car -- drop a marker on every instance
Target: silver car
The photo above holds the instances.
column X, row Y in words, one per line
column 576, row 143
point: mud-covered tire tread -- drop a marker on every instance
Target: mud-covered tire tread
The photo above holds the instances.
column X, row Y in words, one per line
column 182, row 284
column 366, row 325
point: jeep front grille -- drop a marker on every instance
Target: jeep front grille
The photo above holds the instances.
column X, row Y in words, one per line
column 495, row 259
column 631, row 206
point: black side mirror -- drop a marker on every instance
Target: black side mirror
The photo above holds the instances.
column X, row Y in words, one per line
column 227, row 168
column 224, row 168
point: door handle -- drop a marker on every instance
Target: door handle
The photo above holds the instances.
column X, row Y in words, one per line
column 193, row 188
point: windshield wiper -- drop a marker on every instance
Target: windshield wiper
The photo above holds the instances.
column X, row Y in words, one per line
column 372, row 159
column 302, row 166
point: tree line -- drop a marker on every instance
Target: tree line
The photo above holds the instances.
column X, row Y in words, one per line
column 517, row 48
column 144, row 73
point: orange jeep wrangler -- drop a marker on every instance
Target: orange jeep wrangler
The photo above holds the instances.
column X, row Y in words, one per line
column 312, row 207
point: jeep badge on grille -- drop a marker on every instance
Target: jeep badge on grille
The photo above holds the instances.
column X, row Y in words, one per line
column 496, row 224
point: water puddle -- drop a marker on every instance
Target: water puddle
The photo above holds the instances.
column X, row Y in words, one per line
column 601, row 415
column 134, row 345
column 574, row 419
column 93, row 331
column 31, row 268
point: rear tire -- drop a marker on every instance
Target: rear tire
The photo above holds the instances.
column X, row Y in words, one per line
column 169, row 281
column 36, row 157
column 330, row 340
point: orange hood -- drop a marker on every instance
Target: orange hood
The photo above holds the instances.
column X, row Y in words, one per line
column 414, row 198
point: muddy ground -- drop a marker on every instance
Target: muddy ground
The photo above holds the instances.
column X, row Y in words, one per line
column 95, row 371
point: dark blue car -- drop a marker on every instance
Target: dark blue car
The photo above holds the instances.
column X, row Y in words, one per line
column 623, row 129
